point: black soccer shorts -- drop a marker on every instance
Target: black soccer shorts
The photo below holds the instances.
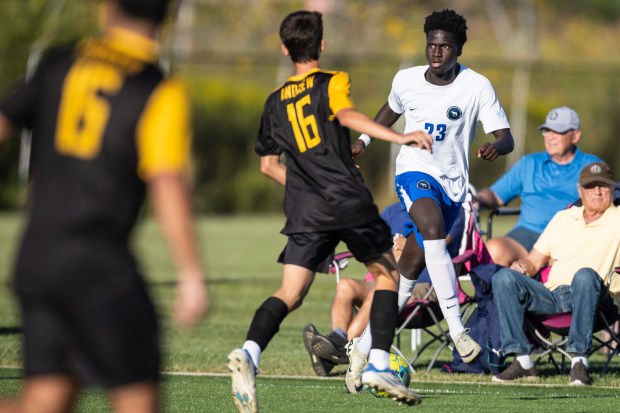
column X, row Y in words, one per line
column 103, row 338
column 315, row 250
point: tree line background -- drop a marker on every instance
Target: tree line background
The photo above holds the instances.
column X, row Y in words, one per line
column 538, row 55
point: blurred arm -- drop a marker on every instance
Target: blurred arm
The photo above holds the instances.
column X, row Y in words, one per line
column 504, row 144
column 5, row 128
column 271, row 166
column 488, row 199
column 386, row 116
column 355, row 120
column 171, row 202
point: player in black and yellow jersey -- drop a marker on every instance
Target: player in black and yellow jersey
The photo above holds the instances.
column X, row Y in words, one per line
column 326, row 202
column 107, row 127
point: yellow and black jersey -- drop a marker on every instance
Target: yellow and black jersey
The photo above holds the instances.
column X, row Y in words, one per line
column 104, row 119
column 324, row 190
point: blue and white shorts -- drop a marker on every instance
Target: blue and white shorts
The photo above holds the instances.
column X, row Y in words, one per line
column 411, row 186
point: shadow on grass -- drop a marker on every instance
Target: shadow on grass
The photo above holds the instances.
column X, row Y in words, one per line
column 596, row 364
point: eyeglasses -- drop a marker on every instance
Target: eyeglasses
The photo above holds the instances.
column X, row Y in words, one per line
column 594, row 185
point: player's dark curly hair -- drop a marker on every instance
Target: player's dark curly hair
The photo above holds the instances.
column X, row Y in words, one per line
column 301, row 32
column 449, row 21
column 153, row 10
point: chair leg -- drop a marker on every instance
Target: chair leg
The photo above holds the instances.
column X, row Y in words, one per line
column 606, row 366
column 551, row 346
column 436, row 355
column 609, row 344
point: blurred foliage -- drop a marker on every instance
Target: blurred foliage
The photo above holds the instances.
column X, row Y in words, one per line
column 226, row 117
column 228, row 52
column 24, row 26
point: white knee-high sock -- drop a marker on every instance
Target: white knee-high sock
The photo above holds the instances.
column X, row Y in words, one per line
column 443, row 277
column 379, row 358
column 405, row 287
column 365, row 342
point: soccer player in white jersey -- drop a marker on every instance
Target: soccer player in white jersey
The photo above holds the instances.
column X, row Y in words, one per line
column 446, row 100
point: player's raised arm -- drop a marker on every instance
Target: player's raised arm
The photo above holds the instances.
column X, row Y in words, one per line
column 355, row 120
column 386, row 116
column 503, row 145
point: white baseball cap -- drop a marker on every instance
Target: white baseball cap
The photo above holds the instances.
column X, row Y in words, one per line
column 561, row 120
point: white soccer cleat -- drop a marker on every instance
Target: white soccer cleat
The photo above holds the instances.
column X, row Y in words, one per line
column 243, row 375
column 357, row 363
column 467, row 348
column 386, row 381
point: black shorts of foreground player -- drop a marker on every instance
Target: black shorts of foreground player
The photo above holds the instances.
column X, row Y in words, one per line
column 107, row 127
column 326, row 201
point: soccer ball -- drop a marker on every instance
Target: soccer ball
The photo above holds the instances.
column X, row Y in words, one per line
column 400, row 368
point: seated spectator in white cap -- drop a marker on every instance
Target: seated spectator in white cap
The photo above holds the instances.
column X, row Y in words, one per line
column 545, row 181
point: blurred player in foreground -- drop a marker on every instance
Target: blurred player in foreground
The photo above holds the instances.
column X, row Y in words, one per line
column 307, row 120
column 107, row 127
column 447, row 100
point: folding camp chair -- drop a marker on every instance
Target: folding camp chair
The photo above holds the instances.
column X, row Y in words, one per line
column 421, row 314
column 425, row 315
column 540, row 328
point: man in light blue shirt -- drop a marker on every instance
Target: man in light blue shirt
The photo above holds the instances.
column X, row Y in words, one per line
column 545, row 181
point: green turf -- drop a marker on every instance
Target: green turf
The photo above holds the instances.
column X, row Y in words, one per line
column 240, row 255
column 210, row 394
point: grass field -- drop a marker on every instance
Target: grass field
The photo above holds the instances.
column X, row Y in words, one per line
column 240, row 253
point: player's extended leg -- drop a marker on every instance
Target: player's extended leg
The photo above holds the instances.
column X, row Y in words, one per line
column 414, row 257
column 428, row 219
column 137, row 397
column 49, row 394
column 243, row 362
column 383, row 315
column 411, row 264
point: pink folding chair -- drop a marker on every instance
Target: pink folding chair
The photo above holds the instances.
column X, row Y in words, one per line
column 541, row 326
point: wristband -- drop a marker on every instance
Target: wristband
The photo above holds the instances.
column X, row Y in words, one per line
column 366, row 139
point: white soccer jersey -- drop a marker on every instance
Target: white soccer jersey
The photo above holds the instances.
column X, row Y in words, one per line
column 450, row 115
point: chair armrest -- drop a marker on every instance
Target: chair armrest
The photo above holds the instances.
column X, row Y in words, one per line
column 499, row 212
column 340, row 262
column 612, row 282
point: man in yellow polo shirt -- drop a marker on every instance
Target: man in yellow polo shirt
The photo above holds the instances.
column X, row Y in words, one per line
column 583, row 245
